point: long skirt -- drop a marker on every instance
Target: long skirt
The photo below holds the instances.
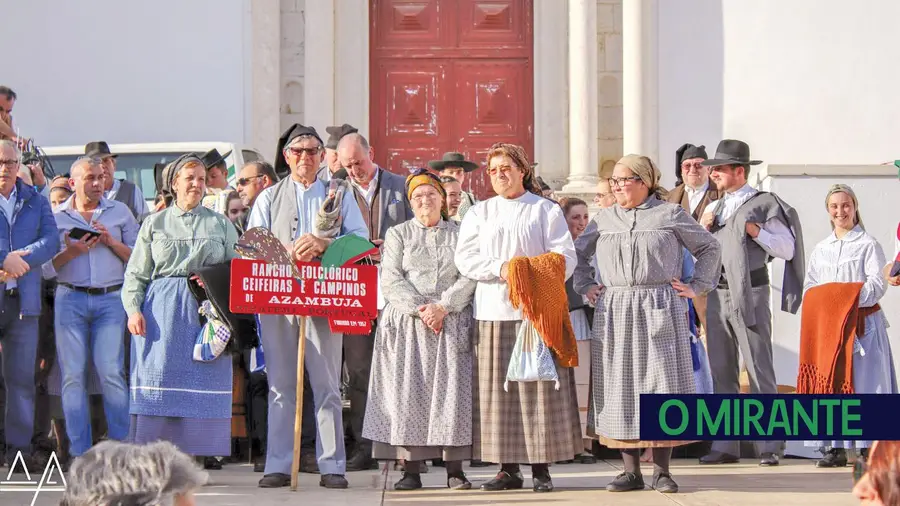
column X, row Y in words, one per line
column 532, row 423
column 174, row 397
column 641, row 345
column 873, row 371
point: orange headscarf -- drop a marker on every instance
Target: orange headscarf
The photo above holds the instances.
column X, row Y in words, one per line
column 423, row 176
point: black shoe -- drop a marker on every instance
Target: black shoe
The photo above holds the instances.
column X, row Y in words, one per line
column 458, row 482
column 626, row 482
column 409, row 481
column 480, row 463
column 504, row 481
column 361, row 460
column 275, row 480
column 333, row 481
column 663, row 483
column 259, row 466
column 835, row 457
column 212, row 464
column 719, row 458
column 768, row 459
column 542, row 483
column 562, row 462
column 308, row 463
column 438, row 463
column 586, row 458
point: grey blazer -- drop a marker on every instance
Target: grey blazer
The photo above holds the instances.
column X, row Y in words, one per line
column 392, row 200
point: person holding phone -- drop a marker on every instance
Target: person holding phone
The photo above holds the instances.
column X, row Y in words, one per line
column 90, row 319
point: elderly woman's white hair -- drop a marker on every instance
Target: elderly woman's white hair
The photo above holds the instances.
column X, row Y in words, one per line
column 120, row 474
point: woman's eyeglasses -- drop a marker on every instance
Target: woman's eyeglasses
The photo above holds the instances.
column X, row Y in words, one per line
column 622, row 181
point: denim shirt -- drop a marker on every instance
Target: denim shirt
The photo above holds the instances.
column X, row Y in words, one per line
column 100, row 267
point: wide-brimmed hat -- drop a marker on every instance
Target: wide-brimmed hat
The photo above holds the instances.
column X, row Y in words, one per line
column 453, row 159
column 336, row 133
column 731, row 152
column 212, row 158
column 98, row 149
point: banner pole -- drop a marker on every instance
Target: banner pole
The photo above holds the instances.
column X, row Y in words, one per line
column 298, row 410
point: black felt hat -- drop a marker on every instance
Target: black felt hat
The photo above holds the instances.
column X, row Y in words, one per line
column 212, row 158
column 296, row 130
column 98, row 149
column 731, row 152
column 336, row 133
column 453, row 159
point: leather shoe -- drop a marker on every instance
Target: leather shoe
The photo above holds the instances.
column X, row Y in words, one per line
column 768, row 459
column 626, row 482
column 504, row 481
column 275, row 480
column 409, row 481
column 361, row 461
column 458, row 482
column 719, row 458
column 542, row 483
column 480, row 463
column 664, row 484
column 836, row 457
column 212, row 464
column 333, row 481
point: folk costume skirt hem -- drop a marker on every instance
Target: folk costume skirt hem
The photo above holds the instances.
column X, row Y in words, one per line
column 384, row 451
column 532, row 423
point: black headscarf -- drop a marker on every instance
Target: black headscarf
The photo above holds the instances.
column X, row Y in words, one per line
column 687, row 152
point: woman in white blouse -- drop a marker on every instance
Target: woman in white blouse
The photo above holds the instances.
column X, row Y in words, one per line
column 851, row 255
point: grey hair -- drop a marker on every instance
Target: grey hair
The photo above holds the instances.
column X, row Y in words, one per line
column 356, row 137
column 6, row 143
column 85, row 160
column 113, row 473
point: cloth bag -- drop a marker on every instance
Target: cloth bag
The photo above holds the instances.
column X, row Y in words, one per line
column 531, row 359
column 213, row 337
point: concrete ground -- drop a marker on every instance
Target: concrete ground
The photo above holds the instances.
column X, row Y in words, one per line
column 794, row 482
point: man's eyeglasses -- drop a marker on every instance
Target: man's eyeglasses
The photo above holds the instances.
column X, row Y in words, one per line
column 622, row 181
column 299, row 152
column 244, row 181
column 696, row 167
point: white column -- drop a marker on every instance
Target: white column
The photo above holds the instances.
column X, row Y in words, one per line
column 551, row 112
column 319, row 65
column 265, row 76
column 583, row 113
column 351, row 80
column 640, row 78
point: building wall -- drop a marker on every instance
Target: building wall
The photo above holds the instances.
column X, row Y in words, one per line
column 127, row 71
column 609, row 84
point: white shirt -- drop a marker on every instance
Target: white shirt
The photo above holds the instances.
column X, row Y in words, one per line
column 774, row 236
column 140, row 205
column 855, row 258
column 8, row 205
column 695, row 196
column 496, row 230
column 368, row 193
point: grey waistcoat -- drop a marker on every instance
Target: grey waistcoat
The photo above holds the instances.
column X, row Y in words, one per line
column 125, row 195
column 741, row 254
column 283, row 211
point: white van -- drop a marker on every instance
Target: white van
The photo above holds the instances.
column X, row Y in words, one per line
column 135, row 161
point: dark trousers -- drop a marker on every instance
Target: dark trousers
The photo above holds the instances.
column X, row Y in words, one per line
column 358, row 351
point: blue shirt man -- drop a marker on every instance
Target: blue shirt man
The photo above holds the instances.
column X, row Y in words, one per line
column 90, row 318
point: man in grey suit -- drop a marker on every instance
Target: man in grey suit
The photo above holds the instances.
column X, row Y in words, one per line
column 381, row 196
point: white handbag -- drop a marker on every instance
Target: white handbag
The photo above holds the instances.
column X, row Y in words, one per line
column 531, row 359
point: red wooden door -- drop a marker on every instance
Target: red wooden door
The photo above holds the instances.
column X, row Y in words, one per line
column 450, row 75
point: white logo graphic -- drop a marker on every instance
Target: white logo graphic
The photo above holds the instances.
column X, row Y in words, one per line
column 52, row 479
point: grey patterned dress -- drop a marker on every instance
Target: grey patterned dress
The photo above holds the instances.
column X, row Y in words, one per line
column 420, row 393
column 641, row 341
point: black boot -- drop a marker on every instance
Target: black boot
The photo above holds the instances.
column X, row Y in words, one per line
column 409, row 481
column 835, row 457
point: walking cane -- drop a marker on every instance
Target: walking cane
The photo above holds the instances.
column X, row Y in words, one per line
column 298, row 409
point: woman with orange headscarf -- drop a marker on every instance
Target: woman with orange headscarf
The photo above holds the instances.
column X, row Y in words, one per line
column 420, row 393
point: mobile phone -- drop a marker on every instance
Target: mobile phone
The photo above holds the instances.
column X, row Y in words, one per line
column 77, row 233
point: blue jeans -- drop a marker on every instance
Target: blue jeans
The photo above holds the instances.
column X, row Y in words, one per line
column 19, row 338
column 91, row 327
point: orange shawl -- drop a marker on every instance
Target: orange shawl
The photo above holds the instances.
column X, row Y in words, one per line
column 830, row 319
column 538, row 286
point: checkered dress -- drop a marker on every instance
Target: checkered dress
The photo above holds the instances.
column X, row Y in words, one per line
column 641, row 340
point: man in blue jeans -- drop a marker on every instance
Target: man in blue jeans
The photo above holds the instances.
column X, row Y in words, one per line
column 90, row 318
column 28, row 239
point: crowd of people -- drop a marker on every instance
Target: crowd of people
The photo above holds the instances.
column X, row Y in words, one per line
column 623, row 302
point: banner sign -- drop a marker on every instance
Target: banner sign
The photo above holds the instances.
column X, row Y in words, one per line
column 347, row 295
column 779, row 417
